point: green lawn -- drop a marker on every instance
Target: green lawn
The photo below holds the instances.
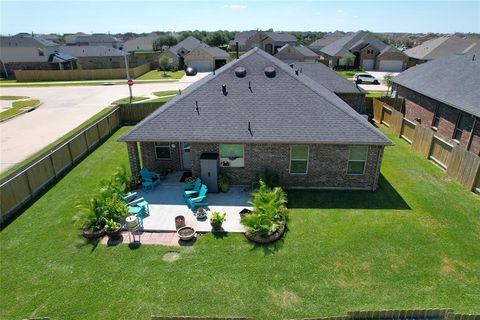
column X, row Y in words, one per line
column 411, row 244
column 156, row 75
column 17, row 106
column 9, row 98
column 348, row 74
column 127, row 100
column 375, row 94
column 165, row 93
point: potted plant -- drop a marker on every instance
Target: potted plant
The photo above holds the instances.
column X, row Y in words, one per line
column 113, row 229
column 224, row 183
column 135, row 182
column 89, row 217
column 163, row 174
column 216, row 219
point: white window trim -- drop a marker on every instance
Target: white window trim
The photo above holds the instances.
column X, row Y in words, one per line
column 365, row 161
column 290, row 160
column 220, row 155
column 155, row 150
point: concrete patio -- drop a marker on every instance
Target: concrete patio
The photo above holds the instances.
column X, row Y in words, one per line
column 166, row 202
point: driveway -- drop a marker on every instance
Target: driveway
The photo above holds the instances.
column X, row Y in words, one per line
column 63, row 109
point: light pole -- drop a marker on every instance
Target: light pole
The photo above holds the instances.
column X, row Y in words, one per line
column 128, row 75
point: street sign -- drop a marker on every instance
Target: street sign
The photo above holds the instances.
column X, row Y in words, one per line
column 130, row 82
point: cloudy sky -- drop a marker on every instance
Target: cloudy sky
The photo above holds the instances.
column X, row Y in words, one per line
column 145, row 16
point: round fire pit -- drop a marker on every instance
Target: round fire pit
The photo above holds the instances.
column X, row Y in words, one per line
column 186, row 233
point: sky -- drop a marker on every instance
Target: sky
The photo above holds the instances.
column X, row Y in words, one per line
column 104, row 16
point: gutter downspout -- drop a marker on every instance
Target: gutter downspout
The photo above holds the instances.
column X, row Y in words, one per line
column 470, row 139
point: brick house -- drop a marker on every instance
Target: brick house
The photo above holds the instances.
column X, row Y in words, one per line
column 368, row 53
column 289, row 53
column 444, row 95
column 256, row 112
column 176, row 54
column 268, row 41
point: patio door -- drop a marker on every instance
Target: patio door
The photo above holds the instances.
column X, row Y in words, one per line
column 186, row 159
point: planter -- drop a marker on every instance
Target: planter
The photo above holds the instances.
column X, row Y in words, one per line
column 179, row 222
column 216, row 226
column 115, row 234
column 95, row 234
column 186, row 233
column 134, row 185
column 264, row 240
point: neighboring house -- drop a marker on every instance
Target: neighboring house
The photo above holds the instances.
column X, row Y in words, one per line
column 177, row 53
column 439, row 48
column 290, row 53
column 369, row 53
column 99, row 39
column 346, row 90
column 206, row 59
column 268, row 41
column 257, row 113
column 31, row 53
column 70, row 39
column 329, row 38
column 444, row 95
column 96, row 57
column 139, row 44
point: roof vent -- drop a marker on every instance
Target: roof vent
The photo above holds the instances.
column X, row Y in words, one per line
column 270, row 72
column 291, row 65
column 240, row 72
column 296, row 72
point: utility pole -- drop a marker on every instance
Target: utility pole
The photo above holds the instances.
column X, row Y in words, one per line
column 128, row 76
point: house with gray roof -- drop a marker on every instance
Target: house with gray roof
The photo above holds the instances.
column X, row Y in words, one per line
column 255, row 113
column 268, row 41
column 443, row 95
column 329, row 38
column 140, row 44
column 289, row 53
column 206, row 59
column 346, row 90
column 99, row 39
column 368, row 53
column 176, row 54
column 31, row 53
column 440, row 47
column 97, row 57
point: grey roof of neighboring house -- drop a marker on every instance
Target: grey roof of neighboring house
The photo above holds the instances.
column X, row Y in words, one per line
column 96, row 38
column 188, row 43
column 280, row 36
column 23, row 41
column 284, row 109
column 216, row 52
column 92, row 51
column 301, row 49
column 326, row 40
column 148, row 40
column 327, row 77
column 441, row 47
column 453, row 80
column 342, row 46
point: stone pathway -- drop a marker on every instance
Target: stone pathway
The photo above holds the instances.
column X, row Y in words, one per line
column 155, row 238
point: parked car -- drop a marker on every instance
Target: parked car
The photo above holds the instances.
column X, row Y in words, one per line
column 191, row 71
column 365, row 78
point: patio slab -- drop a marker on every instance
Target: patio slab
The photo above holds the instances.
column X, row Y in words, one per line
column 166, row 202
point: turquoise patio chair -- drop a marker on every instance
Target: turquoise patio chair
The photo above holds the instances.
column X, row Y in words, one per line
column 129, row 197
column 199, row 201
column 189, row 186
column 135, row 207
column 149, row 179
column 194, row 191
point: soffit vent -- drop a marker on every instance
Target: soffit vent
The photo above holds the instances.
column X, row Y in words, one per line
column 240, row 72
column 270, row 72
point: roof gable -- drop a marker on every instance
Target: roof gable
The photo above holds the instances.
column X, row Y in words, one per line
column 287, row 108
column 441, row 47
column 352, row 41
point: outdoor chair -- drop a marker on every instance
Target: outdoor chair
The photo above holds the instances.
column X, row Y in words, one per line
column 194, row 191
column 190, row 186
column 129, row 197
column 149, row 179
column 199, row 201
column 138, row 207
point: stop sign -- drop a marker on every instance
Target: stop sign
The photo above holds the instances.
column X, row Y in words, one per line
column 130, row 82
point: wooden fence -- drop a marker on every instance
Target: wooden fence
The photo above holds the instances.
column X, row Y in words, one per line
column 460, row 164
column 30, row 181
column 77, row 74
column 418, row 314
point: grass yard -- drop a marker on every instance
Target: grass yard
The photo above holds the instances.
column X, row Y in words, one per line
column 411, row 244
column 11, row 98
column 166, row 93
column 17, row 107
column 348, row 74
column 156, row 75
column 375, row 94
column 127, row 100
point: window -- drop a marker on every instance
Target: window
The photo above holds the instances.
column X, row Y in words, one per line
column 299, row 159
column 40, row 52
column 457, row 134
column 357, row 160
column 162, row 150
column 231, row 155
column 437, row 116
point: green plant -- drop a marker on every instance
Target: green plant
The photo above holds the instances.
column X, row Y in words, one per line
column 114, row 208
column 388, row 79
column 217, row 218
column 269, row 211
column 224, row 183
column 111, row 225
column 121, row 179
column 163, row 63
column 89, row 215
column 268, row 176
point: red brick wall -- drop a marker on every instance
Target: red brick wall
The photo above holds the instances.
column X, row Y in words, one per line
column 418, row 106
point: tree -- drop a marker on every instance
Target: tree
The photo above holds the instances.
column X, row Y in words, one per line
column 347, row 59
column 162, row 41
column 388, row 79
column 164, row 64
column 216, row 39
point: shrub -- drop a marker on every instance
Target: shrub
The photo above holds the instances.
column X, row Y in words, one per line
column 217, row 218
column 224, row 183
column 268, row 176
column 111, row 225
column 269, row 211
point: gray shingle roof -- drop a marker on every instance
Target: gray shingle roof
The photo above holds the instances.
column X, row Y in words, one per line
column 92, row 51
column 96, row 38
column 327, row 39
column 284, row 109
column 216, row 52
column 327, row 77
column 442, row 47
column 342, row 46
column 305, row 51
column 454, row 80
column 21, row 41
column 188, row 43
column 281, row 36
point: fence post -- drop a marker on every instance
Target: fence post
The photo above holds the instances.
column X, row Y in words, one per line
column 86, row 140
column 29, row 184
column 70, row 153
column 53, row 165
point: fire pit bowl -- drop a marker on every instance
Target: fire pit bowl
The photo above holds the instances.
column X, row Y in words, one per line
column 186, row 233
